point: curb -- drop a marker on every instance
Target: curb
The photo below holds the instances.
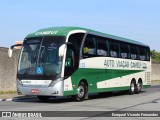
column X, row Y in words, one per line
column 17, row 98
column 9, row 99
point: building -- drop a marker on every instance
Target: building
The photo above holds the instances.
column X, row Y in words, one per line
column 18, row 42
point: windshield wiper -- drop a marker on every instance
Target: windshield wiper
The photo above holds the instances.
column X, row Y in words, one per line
column 26, row 71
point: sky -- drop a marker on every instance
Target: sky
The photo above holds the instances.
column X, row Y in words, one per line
column 134, row 19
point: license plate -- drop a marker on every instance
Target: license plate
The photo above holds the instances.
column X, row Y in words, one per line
column 34, row 91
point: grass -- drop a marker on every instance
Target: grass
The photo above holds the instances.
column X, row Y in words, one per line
column 8, row 94
column 157, row 81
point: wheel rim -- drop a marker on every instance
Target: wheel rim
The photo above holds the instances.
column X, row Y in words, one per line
column 132, row 87
column 81, row 91
column 139, row 86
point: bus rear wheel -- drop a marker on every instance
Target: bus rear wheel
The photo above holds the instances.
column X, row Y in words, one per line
column 43, row 98
column 82, row 90
column 138, row 87
column 132, row 87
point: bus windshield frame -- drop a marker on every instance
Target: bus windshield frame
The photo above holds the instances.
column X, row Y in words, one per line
column 39, row 58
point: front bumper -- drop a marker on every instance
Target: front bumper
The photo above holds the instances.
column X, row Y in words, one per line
column 45, row 90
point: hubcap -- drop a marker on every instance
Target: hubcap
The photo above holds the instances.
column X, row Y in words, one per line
column 139, row 86
column 132, row 87
column 80, row 91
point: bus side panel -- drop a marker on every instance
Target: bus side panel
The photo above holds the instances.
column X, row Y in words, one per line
column 103, row 76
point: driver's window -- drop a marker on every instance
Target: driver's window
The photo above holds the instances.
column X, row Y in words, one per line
column 70, row 58
column 70, row 63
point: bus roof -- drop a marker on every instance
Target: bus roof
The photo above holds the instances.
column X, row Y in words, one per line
column 63, row 31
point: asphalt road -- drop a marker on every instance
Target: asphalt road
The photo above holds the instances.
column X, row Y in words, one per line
column 147, row 100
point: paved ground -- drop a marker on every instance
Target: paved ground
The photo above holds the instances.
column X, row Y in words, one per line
column 148, row 100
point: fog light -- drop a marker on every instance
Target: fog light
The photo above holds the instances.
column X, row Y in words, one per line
column 56, row 92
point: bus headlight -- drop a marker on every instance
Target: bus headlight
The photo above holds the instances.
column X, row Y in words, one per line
column 54, row 82
column 20, row 82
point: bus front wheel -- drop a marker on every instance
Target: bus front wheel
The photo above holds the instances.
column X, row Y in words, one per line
column 82, row 90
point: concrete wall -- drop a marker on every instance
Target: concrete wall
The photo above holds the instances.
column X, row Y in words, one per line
column 155, row 72
column 8, row 68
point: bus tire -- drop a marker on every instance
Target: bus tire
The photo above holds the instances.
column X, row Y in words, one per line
column 43, row 98
column 132, row 87
column 82, row 90
column 139, row 87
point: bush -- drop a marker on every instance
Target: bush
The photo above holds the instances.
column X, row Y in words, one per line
column 155, row 56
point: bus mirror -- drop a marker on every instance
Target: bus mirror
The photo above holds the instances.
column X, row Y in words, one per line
column 61, row 50
column 10, row 52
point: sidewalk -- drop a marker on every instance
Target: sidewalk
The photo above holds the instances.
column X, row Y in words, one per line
column 13, row 96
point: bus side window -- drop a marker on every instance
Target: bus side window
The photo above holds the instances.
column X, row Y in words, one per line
column 142, row 53
column 124, row 50
column 147, row 54
column 102, row 47
column 133, row 52
column 89, row 47
column 114, row 49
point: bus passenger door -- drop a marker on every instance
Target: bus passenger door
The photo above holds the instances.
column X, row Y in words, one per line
column 70, row 63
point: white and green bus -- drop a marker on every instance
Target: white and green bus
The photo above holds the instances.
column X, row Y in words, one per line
column 74, row 61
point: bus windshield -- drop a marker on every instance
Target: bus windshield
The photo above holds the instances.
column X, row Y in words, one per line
column 39, row 56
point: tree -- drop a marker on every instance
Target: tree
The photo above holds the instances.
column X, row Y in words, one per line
column 155, row 56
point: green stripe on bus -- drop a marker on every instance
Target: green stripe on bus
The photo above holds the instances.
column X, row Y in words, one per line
column 98, row 75
column 146, row 86
column 67, row 93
